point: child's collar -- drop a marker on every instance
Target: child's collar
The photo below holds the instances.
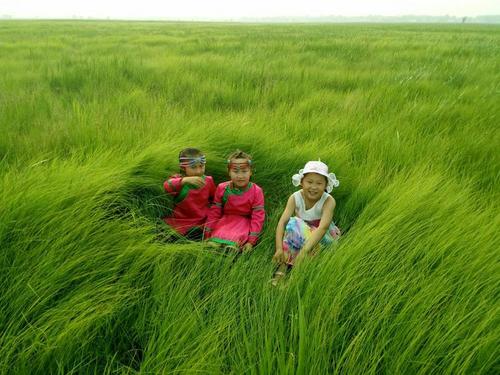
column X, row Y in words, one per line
column 237, row 189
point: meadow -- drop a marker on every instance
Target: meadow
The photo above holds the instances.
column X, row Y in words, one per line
column 92, row 117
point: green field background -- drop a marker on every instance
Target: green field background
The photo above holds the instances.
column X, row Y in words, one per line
column 92, row 117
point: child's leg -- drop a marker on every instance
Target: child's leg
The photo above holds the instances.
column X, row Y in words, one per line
column 331, row 235
column 297, row 232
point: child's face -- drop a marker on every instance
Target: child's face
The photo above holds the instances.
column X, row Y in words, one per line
column 195, row 170
column 313, row 186
column 240, row 172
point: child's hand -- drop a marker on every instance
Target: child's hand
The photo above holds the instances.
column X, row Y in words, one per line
column 193, row 180
column 279, row 256
column 247, row 247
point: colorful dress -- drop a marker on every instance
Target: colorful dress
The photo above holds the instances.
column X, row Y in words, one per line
column 299, row 228
column 191, row 204
column 237, row 216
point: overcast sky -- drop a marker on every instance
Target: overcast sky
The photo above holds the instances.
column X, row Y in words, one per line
column 227, row 9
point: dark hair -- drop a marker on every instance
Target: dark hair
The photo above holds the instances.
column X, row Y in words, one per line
column 190, row 152
column 238, row 154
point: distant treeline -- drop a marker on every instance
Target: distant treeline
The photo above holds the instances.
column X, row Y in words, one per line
column 492, row 19
column 382, row 19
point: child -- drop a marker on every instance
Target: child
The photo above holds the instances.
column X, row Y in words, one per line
column 192, row 192
column 237, row 216
column 312, row 224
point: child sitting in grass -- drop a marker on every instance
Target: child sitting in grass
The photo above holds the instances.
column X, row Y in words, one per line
column 193, row 192
column 237, row 216
column 312, row 223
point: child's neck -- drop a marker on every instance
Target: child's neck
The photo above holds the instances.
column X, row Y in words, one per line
column 233, row 186
column 307, row 202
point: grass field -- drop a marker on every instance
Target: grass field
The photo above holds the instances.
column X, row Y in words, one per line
column 92, row 117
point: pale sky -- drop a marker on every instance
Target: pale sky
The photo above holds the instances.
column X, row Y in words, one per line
column 231, row 9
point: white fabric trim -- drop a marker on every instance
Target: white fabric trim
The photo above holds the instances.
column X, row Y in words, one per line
column 314, row 213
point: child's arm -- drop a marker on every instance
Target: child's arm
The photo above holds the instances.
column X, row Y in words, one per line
column 318, row 233
column 256, row 220
column 175, row 183
column 193, row 180
column 280, row 228
column 215, row 211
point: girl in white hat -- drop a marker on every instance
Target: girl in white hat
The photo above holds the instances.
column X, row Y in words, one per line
column 308, row 216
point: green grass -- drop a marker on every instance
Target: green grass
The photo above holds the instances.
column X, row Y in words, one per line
column 92, row 117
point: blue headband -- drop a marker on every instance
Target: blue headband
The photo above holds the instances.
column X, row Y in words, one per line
column 189, row 161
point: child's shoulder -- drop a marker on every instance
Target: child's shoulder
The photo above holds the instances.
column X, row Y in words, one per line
column 296, row 195
column 329, row 198
column 256, row 189
column 223, row 185
column 255, row 186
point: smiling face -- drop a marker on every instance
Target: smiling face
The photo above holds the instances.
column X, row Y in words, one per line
column 240, row 172
column 313, row 186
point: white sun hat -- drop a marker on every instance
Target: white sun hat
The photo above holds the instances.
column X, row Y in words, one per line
column 316, row 167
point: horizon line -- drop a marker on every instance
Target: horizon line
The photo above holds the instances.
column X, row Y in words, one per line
column 245, row 18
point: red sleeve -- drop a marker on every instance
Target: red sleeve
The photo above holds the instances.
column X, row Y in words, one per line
column 215, row 211
column 258, row 216
column 173, row 185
